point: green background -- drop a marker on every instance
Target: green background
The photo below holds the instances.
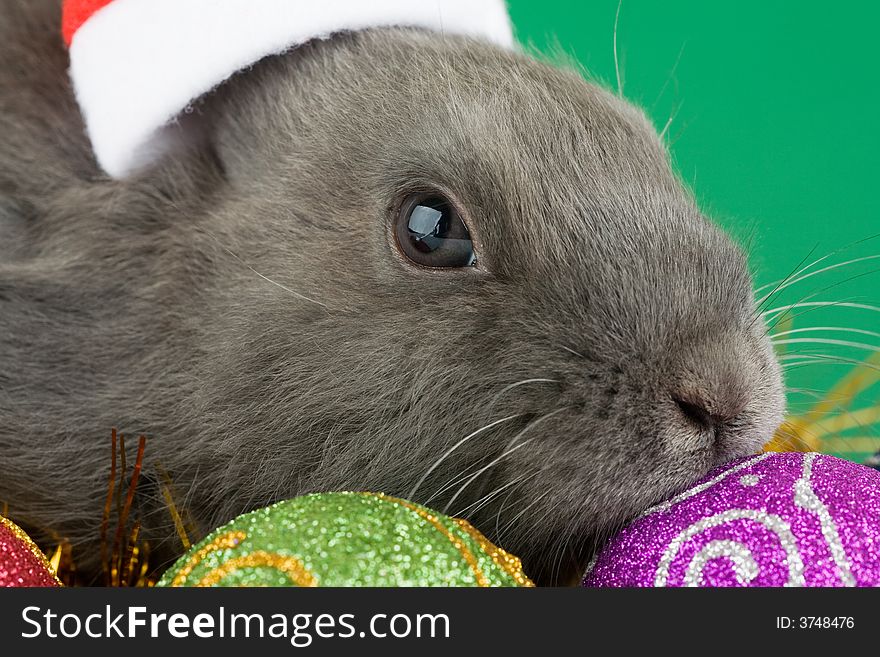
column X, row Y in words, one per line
column 775, row 110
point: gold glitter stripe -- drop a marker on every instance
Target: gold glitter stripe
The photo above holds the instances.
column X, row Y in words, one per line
column 223, row 542
column 502, row 558
column 20, row 534
column 290, row 566
column 457, row 543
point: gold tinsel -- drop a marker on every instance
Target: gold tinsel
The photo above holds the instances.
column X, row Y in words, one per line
column 820, row 428
column 125, row 557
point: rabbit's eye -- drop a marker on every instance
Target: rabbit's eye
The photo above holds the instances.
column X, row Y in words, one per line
column 430, row 232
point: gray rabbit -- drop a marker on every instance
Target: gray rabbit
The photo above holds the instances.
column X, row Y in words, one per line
column 391, row 261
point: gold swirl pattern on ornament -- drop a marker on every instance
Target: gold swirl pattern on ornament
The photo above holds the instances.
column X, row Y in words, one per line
column 225, row 541
column 457, row 543
column 26, row 540
column 502, row 558
column 290, row 566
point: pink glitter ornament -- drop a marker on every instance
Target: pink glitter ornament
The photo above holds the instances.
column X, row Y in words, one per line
column 776, row 519
column 21, row 562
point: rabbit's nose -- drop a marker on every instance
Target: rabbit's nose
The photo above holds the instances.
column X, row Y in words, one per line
column 710, row 411
column 697, row 413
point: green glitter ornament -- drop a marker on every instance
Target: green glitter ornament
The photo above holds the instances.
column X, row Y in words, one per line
column 346, row 539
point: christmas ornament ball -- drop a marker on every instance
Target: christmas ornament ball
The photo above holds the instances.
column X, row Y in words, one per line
column 22, row 564
column 776, row 519
column 346, row 539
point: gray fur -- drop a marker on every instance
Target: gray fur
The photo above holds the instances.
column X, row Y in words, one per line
column 242, row 304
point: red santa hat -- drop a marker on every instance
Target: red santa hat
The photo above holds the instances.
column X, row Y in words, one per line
column 136, row 64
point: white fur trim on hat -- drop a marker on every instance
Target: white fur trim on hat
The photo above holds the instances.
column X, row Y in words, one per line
column 136, row 64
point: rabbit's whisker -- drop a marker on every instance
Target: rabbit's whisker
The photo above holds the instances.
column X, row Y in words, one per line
column 513, row 446
column 510, row 523
column 461, row 442
column 821, row 304
column 507, row 389
column 816, row 329
column 830, row 341
column 801, row 270
column 476, row 506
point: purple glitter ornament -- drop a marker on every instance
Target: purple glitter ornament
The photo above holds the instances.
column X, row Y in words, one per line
column 784, row 519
